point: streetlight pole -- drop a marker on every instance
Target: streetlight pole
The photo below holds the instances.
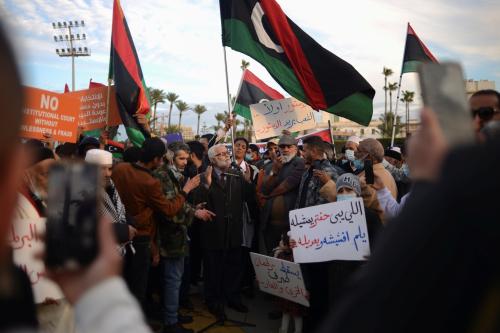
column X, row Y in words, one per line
column 71, row 39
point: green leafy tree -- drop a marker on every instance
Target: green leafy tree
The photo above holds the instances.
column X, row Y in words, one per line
column 244, row 64
column 386, row 126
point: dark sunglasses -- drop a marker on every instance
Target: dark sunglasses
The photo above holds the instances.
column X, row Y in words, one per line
column 484, row 113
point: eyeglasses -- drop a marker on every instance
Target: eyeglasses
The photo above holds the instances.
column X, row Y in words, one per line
column 224, row 153
column 484, row 113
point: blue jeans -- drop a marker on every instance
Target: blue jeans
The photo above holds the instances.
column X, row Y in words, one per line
column 172, row 269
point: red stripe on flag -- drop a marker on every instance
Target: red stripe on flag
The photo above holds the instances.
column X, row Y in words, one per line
column 410, row 31
column 250, row 77
column 123, row 46
column 290, row 44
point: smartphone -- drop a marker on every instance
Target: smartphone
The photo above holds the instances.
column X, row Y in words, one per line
column 72, row 202
column 443, row 90
column 369, row 176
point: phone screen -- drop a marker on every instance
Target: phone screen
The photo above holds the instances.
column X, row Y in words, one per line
column 71, row 239
column 443, row 90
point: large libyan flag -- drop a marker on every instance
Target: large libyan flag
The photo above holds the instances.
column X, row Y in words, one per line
column 305, row 69
column 125, row 70
column 252, row 91
column 415, row 52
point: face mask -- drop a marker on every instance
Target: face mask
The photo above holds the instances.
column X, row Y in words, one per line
column 248, row 157
column 359, row 164
column 349, row 154
column 406, row 170
column 344, row 197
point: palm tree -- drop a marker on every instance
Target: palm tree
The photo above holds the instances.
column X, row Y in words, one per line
column 408, row 97
column 244, row 64
column 157, row 96
column 248, row 129
column 391, row 87
column 387, row 122
column 220, row 117
column 182, row 107
column 386, row 72
column 199, row 110
column 172, row 98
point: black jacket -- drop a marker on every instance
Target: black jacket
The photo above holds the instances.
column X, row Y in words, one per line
column 226, row 230
column 435, row 267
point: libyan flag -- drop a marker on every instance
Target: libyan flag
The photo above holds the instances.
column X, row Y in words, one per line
column 415, row 52
column 305, row 69
column 252, row 91
column 125, row 69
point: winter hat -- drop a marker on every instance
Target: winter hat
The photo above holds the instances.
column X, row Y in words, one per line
column 349, row 180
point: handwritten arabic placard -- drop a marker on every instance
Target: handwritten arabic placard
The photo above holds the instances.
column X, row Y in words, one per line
column 24, row 238
column 334, row 231
column 271, row 118
column 280, row 278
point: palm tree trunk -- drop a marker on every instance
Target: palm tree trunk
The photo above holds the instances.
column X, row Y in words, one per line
column 170, row 113
column 390, row 101
column 180, row 116
column 385, row 91
column 198, row 126
column 154, row 116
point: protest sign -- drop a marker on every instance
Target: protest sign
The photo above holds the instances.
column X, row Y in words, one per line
column 334, row 231
column 271, row 118
column 49, row 112
column 24, row 238
column 280, row 278
column 92, row 108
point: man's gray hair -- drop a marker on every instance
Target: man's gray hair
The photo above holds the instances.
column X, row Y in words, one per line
column 175, row 147
column 211, row 151
column 374, row 148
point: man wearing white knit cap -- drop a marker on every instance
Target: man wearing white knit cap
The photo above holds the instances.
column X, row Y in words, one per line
column 112, row 205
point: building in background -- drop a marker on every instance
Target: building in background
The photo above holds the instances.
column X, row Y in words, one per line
column 471, row 86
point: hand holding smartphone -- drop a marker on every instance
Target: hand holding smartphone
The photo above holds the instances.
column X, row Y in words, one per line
column 443, row 90
column 71, row 235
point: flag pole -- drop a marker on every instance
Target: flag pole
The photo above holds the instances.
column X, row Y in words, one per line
column 331, row 138
column 107, row 103
column 229, row 103
column 396, row 112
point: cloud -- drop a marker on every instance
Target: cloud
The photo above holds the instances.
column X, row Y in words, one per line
column 179, row 42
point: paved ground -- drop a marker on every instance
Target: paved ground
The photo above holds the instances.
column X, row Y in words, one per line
column 259, row 307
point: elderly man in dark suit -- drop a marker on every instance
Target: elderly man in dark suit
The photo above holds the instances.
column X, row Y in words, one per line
column 226, row 190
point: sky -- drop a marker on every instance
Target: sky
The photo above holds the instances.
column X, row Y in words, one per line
column 180, row 50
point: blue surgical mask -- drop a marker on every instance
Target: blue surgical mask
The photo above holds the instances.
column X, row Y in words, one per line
column 248, row 157
column 349, row 154
column 406, row 170
column 358, row 164
column 344, row 197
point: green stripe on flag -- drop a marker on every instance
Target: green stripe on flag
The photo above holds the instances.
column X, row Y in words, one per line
column 135, row 136
column 358, row 107
column 241, row 40
column 243, row 111
column 410, row 66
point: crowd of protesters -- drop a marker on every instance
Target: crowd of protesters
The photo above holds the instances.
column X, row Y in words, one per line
column 188, row 214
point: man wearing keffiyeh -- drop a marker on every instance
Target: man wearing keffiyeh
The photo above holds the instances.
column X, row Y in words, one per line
column 111, row 204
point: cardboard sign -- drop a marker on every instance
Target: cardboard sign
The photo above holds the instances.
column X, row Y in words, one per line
column 24, row 238
column 271, row 118
column 92, row 107
column 334, row 231
column 280, row 278
column 48, row 112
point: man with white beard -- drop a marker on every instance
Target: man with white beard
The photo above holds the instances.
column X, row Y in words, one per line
column 277, row 190
column 226, row 191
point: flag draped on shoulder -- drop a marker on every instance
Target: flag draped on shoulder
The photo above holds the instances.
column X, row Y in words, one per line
column 125, row 70
column 252, row 91
column 415, row 52
column 306, row 70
